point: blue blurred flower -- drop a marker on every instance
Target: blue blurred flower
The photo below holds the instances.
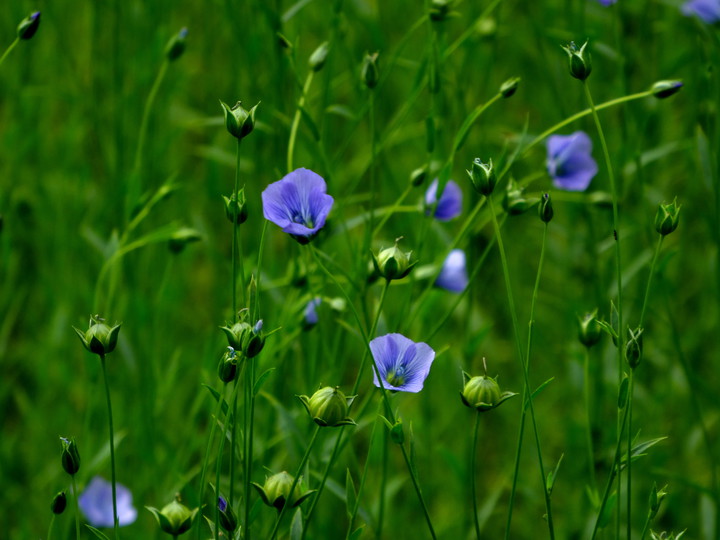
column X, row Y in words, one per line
column 453, row 275
column 607, row 2
column 96, row 503
column 298, row 204
column 707, row 10
column 569, row 161
column 450, row 204
column 403, row 364
column 311, row 316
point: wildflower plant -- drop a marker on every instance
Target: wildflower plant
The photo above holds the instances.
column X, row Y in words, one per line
column 569, row 161
column 97, row 504
column 402, row 364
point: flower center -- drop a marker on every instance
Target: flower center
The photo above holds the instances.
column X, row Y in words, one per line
column 303, row 219
column 396, row 377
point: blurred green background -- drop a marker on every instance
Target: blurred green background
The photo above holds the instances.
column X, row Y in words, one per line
column 71, row 103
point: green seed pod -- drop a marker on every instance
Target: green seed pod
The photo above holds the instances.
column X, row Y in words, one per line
column 227, row 367
column 176, row 46
column 28, row 26
column 392, row 263
column 236, row 212
column 59, row 503
column 276, row 491
column 509, row 87
column 667, row 218
column 239, row 121
column 99, row 338
column 319, row 56
column 634, row 347
column 482, row 176
column 70, row 456
column 514, row 201
column 175, row 518
column 328, row 407
column 579, row 61
column 589, row 331
column 482, row 393
column 236, row 334
column 369, row 73
column 664, row 89
column 545, row 208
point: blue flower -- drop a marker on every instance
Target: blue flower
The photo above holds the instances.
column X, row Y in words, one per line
column 96, row 503
column 298, row 204
column 403, row 364
column 453, row 275
column 311, row 316
column 570, row 162
column 707, row 10
column 607, row 2
column 450, row 204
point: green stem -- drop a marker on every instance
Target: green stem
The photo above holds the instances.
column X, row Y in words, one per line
column 249, row 430
column 135, row 184
column 527, row 394
column 629, row 453
column 235, row 241
column 658, row 246
column 50, row 528
column 233, row 445
column 10, row 48
column 383, row 483
column 112, row 449
column 296, row 479
column 473, row 480
column 296, row 120
column 203, row 470
column 76, row 497
column 588, row 412
column 218, row 463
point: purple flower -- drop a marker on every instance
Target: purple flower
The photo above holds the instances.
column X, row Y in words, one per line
column 311, row 316
column 403, row 364
column 450, row 204
column 607, row 2
column 453, row 275
column 96, row 503
column 298, row 204
column 570, row 162
column 707, row 10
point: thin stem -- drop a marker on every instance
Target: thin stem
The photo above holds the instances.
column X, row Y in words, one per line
column 203, row 470
column 235, row 245
column 383, row 483
column 658, row 246
column 296, row 120
column 10, row 48
column 233, row 445
column 588, row 412
column 218, row 463
column 50, row 528
column 629, row 453
column 112, row 449
column 76, row 497
column 527, row 394
column 296, row 479
column 473, row 481
column 249, row 430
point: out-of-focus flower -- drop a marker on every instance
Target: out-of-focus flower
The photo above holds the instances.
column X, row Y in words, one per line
column 311, row 316
column 96, row 503
column 570, row 162
column 453, row 275
column 298, row 203
column 707, row 10
column 403, row 364
column 450, row 204
column 607, row 2
column 28, row 26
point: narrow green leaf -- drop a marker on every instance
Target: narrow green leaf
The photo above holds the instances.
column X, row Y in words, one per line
column 350, row 494
column 216, row 395
column 296, row 527
column 552, row 476
column 261, row 380
column 623, row 393
column 357, row 533
column 608, row 510
column 310, row 123
column 97, row 533
column 538, row 390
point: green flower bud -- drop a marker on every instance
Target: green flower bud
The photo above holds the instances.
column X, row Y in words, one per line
column 508, row 88
column 228, row 519
column 514, row 201
column 370, row 74
column 579, row 61
column 663, row 89
column 633, row 347
column 482, row 393
column 227, row 367
column 440, row 9
column 99, row 338
column 276, row 491
column 417, row 177
column 254, row 340
column 238, row 121
column 175, row 518
column 70, row 456
column 28, row 26
column 236, row 334
column 59, row 503
column 656, row 498
column 545, row 208
column 236, row 212
column 181, row 238
column 318, row 57
column 667, row 217
column 328, row 407
column 482, row 176
column 589, row 331
column 176, row 45
column 392, row 263
column 284, row 42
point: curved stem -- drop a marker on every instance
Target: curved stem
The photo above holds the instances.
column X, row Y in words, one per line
column 296, row 120
column 112, row 448
column 473, row 464
column 10, row 48
column 296, row 479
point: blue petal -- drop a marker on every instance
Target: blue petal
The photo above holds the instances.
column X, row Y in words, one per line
column 450, row 204
column 96, row 503
column 707, row 10
column 570, row 162
column 394, row 351
column 453, row 275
